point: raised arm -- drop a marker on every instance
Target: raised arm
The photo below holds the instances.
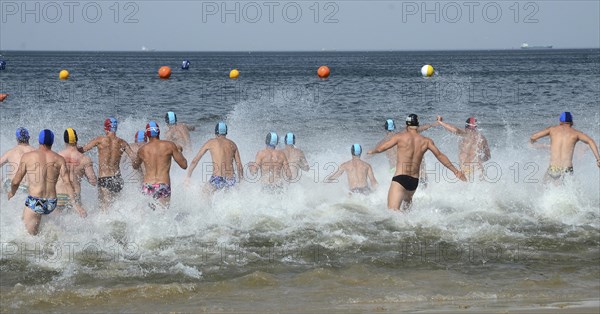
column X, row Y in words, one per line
column 88, row 167
column 588, row 140
column 372, row 177
column 427, row 126
column 540, row 134
column 179, row 158
column 451, row 128
column 196, row 159
column 384, row 145
column 445, row 161
column 64, row 175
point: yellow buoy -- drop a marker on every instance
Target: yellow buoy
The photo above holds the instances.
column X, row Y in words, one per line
column 63, row 75
column 234, row 74
column 427, row 70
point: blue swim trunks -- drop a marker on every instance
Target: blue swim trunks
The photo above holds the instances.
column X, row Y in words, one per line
column 221, row 182
column 41, row 206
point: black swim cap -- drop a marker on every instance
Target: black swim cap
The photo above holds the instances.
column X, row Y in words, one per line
column 412, row 120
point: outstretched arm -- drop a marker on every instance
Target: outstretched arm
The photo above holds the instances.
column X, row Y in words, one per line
column 89, row 145
column 427, row 126
column 196, row 159
column 540, row 134
column 445, row 161
column 451, row 128
column 588, row 140
column 383, row 146
column 332, row 178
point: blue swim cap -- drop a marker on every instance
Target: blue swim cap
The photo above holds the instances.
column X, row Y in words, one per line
column 170, row 117
column 46, row 137
column 356, row 150
column 389, row 125
column 290, row 139
column 22, row 135
column 221, row 128
column 566, row 117
column 272, row 139
column 152, row 129
column 140, row 136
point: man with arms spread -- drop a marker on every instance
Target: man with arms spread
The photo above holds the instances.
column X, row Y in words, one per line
column 295, row 157
column 563, row 138
column 179, row 133
column 223, row 152
column 78, row 165
column 13, row 157
column 42, row 168
column 110, row 151
column 273, row 165
column 473, row 146
column 411, row 148
column 358, row 172
column 156, row 157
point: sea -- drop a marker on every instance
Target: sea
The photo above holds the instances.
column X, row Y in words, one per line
column 504, row 241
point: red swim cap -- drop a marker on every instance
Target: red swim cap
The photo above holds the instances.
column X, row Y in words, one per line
column 110, row 124
column 471, row 123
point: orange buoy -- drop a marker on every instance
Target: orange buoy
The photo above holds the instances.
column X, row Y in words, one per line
column 164, row 72
column 2, row 97
column 323, row 72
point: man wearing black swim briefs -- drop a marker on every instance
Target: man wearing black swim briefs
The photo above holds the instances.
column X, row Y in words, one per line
column 411, row 147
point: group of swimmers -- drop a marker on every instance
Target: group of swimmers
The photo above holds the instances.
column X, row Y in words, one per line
column 52, row 180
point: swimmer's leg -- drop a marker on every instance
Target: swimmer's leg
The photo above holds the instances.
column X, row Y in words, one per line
column 32, row 220
column 406, row 198
column 395, row 196
column 104, row 197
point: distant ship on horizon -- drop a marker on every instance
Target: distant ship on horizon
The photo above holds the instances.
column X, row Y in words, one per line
column 526, row 46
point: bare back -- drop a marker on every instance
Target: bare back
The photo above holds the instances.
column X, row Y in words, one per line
column 411, row 147
column 156, row 156
column 110, row 151
column 180, row 134
column 222, row 152
column 562, row 145
column 357, row 171
column 296, row 160
column 13, row 158
column 77, row 164
column 42, row 169
column 271, row 163
column 472, row 147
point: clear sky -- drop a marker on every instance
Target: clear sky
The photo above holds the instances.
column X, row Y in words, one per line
column 232, row 25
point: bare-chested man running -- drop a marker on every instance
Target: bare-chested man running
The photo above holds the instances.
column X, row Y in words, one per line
column 563, row 138
column 411, row 148
column 110, row 151
column 224, row 152
column 156, row 157
column 79, row 165
column 390, row 128
column 358, row 172
column 178, row 132
column 473, row 146
column 13, row 156
column 295, row 157
column 42, row 167
column 273, row 166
